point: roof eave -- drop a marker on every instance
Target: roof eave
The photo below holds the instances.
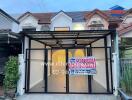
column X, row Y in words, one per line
column 3, row 12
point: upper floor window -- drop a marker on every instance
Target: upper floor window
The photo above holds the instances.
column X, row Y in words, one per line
column 61, row 28
column 29, row 29
column 96, row 25
column 45, row 27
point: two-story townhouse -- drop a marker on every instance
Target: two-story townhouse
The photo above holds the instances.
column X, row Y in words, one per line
column 60, row 36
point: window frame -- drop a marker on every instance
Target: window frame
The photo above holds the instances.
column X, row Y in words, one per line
column 62, row 28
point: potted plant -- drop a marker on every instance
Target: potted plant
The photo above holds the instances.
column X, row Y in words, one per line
column 11, row 76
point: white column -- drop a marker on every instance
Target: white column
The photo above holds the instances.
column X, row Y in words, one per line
column 115, row 74
column 116, row 67
column 22, row 59
column 21, row 82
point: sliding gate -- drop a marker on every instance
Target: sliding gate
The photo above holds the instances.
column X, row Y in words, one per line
column 47, row 71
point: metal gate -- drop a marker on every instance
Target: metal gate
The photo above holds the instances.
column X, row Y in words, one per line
column 43, row 75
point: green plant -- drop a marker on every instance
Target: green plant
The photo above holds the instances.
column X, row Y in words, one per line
column 122, row 48
column 126, row 80
column 11, row 73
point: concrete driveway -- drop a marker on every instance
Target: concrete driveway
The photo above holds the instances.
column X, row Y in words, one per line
column 66, row 97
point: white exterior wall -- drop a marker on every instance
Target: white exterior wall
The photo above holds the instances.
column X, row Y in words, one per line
column 15, row 27
column 61, row 20
column 99, row 43
column 29, row 21
column 99, row 54
column 98, row 18
column 6, row 23
column 127, row 19
column 128, row 34
column 79, row 26
column 36, row 67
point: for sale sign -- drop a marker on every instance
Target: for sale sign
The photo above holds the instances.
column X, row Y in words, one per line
column 82, row 66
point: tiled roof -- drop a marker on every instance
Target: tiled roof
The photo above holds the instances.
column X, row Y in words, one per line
column 43, row 17
column 124, row 29
column 77, row 16
column 46, row 17
column 105, row 15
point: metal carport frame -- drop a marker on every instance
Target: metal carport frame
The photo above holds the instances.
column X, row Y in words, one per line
column 62, row 39
column 71, row 39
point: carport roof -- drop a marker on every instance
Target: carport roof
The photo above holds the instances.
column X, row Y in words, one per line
column 6, row 37
column 67, row 38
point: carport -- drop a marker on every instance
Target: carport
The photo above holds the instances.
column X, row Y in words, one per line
column 42, row 47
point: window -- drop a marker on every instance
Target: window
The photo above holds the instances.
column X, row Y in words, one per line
column 96, row 28
column 61, row 28
column 94, row 22
column 45, row 27
column 100, row 28
column 29, row 29
column 96, row 25
column 92, row 28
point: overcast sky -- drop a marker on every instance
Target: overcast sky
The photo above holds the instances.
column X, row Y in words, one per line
column 21, row 6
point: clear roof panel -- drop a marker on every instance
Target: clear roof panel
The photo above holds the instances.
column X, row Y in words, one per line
column 67, row 38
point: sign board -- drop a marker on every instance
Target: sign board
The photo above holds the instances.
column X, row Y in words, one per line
column 82, row 66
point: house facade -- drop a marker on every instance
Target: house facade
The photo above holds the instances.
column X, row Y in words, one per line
column 56, row 38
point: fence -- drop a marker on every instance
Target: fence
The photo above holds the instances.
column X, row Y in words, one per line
column 126, row 74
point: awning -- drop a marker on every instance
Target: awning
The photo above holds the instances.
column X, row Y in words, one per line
column 67, row 38
column 6, row 36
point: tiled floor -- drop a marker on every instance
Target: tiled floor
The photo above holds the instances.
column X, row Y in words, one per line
column 96, row 87
column 38, row 87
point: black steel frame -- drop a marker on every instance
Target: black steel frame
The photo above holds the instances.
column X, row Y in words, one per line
column 83, row 46
column 98, row 34
column 89, row 49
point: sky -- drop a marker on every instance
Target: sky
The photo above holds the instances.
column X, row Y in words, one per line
column 21, row 6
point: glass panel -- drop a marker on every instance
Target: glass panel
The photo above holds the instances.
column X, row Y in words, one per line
column 77, row 83
column 36, row 71
column 57, row 76
column 99, row 80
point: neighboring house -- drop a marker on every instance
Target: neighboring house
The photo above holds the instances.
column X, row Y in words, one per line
column 9, row 42
column 7, row 22
column 125, row 27
column 125, row 34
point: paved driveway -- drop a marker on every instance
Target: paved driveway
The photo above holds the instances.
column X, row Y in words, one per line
column 66, row 97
